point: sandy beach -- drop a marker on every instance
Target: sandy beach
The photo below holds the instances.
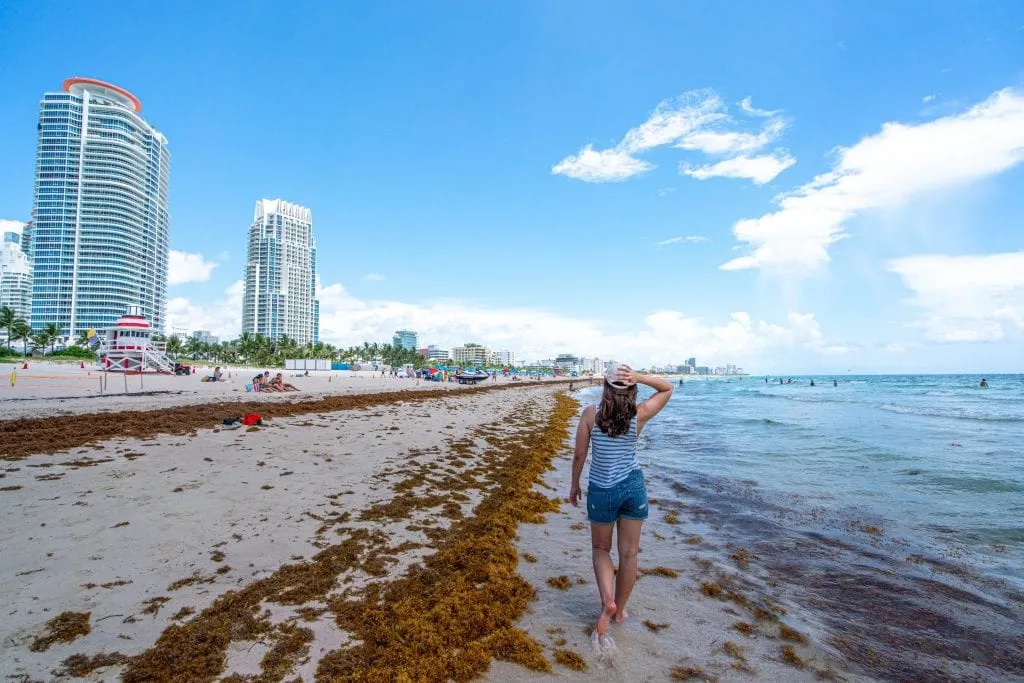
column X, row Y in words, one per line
column 423, row 534
column 49, row 389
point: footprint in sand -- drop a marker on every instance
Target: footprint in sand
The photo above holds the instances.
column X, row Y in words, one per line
column 604, row 648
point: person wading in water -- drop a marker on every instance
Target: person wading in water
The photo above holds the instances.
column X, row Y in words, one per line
column 616, row 493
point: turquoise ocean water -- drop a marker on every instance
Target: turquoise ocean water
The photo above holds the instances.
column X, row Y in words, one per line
column 890, row 508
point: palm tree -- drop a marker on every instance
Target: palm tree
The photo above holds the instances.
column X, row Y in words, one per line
column 20, row 331
column 40, row 340
column 83, row 339
column 174, row 346
column 193, row 347
column 52, row 333
column 7, row 320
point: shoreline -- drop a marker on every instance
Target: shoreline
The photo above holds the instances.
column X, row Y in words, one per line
column 692, row 616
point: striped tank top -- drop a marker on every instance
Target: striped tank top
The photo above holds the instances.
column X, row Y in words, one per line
column 612, row 459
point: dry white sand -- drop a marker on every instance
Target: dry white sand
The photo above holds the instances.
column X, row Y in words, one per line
column 48, row 389
column 249, row 495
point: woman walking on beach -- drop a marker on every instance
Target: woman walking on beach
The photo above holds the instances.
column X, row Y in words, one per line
column 616, row 494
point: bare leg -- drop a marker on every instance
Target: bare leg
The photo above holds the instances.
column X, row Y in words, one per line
column 629, row 545
column 604, row 572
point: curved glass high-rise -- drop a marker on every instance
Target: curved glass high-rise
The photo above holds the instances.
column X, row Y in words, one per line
column 98, row 241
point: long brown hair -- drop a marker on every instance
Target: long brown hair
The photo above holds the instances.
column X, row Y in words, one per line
column 617, row 410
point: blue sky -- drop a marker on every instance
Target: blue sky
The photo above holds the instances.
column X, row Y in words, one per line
column 505, row 172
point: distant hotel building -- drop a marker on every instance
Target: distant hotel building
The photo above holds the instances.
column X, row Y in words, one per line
column 280, row 274
column 15, row 276
column 433, row 353
column 471, row 354
column 98, row 240
column 406, row 339
column 204, row 337
column 504, row 358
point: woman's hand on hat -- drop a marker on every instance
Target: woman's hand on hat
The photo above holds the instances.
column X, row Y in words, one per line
column 627, row 375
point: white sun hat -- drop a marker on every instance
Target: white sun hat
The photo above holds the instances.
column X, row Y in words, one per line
column 611, row 374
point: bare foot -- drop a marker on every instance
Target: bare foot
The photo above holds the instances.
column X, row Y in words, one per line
column 602, row 621
column 621, row 616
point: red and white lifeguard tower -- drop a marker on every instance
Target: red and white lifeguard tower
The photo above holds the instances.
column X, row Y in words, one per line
column 128, row 346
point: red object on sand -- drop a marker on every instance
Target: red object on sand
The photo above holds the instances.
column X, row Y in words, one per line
column 251, row 419
column 83, row 365
column 24, row 366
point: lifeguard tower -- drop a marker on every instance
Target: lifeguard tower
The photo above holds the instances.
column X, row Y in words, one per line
column 128, row 346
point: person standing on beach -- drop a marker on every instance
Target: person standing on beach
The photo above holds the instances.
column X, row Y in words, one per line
column 616, row 493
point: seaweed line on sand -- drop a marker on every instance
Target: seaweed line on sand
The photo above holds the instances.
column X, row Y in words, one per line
column 23, row 437
column 445, row 619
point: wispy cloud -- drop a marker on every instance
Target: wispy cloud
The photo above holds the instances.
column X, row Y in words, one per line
column 609, row 165
column 184, row 267
column 373, row 277
column 665, row 191
column 895, row 166
column 966, row 298
column 696, row 121
column 691, row 239
column 927, row 98
column 760, row 169
column 747, row 106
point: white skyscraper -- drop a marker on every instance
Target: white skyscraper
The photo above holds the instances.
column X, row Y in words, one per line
column 280, row 273
column 15, row 276
column 98, row 240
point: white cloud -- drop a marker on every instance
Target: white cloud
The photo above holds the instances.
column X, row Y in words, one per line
column 885, row 170
column 694, row 121
column 373, row 277
column 222, row 317
column 691, row 239
column 966, row 298
column 748, row 108
column 10, row 225
column 609, row 165
column 733, row 142
column 663, row 337
column 927, row 98
column 759, row 169
column 534, row 334
column 184, row 267
column 665, row 191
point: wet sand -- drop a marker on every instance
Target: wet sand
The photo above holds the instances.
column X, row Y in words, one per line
column 675, row 628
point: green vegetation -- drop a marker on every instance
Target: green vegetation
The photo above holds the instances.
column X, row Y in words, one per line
column 255, row 349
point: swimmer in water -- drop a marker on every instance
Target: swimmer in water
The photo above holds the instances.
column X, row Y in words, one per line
column 835, row 383
column 617, row 493
column 812, row 382
column 984, row 384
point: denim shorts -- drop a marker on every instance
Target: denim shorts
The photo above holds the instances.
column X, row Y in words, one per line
column 627, row 499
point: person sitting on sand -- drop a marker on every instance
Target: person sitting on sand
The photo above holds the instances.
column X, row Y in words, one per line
column 616, row 493
column 217, row 375
column 279, row 384
column 265, row 383
column 257, row 382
